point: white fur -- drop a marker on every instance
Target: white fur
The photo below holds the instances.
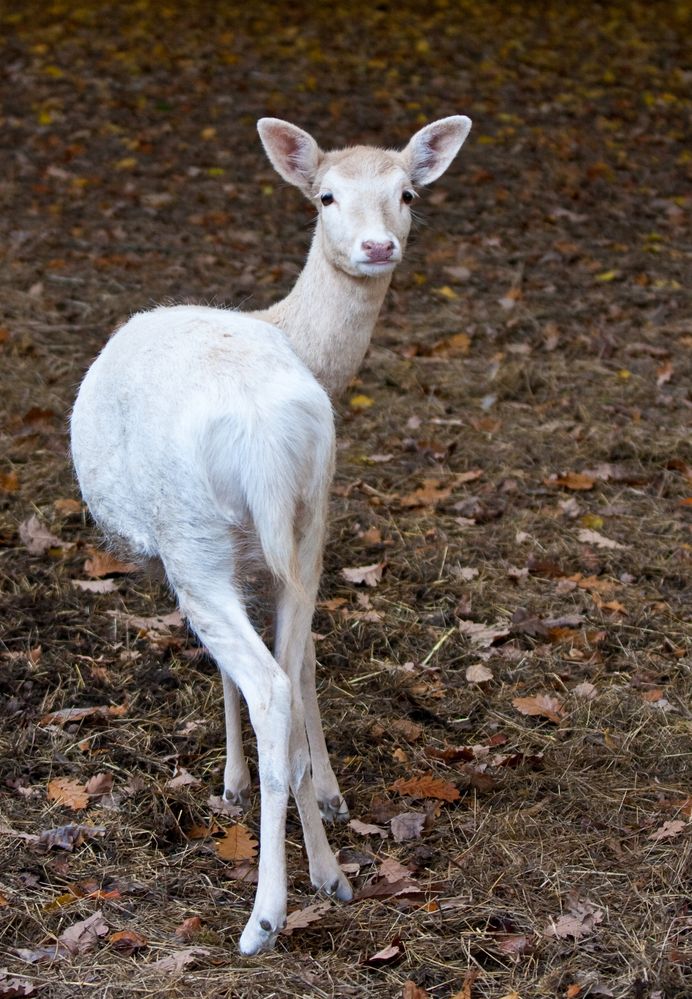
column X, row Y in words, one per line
column 201, row 434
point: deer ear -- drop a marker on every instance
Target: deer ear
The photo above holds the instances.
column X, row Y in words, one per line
column 293, row 153
column 431, row 150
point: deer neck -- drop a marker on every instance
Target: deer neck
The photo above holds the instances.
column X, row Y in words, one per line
column 329, row 317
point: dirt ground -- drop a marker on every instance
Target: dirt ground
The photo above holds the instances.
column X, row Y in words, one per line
column 516, row 453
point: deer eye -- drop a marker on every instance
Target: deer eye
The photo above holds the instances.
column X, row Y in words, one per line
column 327, row 199
column 407, row 197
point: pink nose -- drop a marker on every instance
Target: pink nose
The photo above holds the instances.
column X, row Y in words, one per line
column 378, row 252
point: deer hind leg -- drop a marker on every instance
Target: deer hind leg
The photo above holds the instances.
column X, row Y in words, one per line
column 295, row 608
column 236, row 776
column 215, row 611
column 329, row 798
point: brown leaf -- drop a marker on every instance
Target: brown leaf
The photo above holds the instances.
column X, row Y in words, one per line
column 367, row 829
column 408, row 825
column 37, row 538
column 432, row 492
column 95, row 585
column 388, row 955
column 66, row 715
column 391, row 870
column 413, row 991
column 572, row 480
column 540, row 704
column 370, row 575
column 99, row 784
column 478, row 673
column 585, row 690
column 668, row 830
column 482, row 634
column 456, row 345
column 83, row 935
column 69, row 836
column 14, row 988
column 9, row 483
column 127, row 941
column 182, row 778
column 178, row 960
column 469, row 979
column 389, row 889
column 67, row 507
column 515, row 944
column 406, row 729
column 426, row 786
column 237, row 844
column 65, row 791
column 599, row 540
column 301, row 918
column 188, row 929
column 102, row 563
column 579, row 920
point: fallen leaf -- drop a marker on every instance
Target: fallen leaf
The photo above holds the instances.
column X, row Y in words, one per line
column 65, row 791
column 426, row 786
column 594, row 538
column 83, row 936
column 452, row 346
column 668, row 830
column 540, row 704
column 127, row 941
column 388, row 955
column 67, row 507
column 37, row 538
column 220, row 806
column 580, row 919
column 178, row 961
column 367, row 829
column 182, row 778
column 368, row 574
column 515, row 944
column 237, row 844
column 577, row 481
column 69, row 836
column 469, row 979
column 300, row 918
column 413, row 991
column 406, row 729
column 9, row 483
column 95, row 585
column 408, row 825
column 99, row 784
column 432, row 492
column 66, row 715
column 188, row 929
column 585, row 690
column 360, row 402
column 13, row 987
column 478, row 673
column 102, row 563
column 664, row 373
column 483, row 634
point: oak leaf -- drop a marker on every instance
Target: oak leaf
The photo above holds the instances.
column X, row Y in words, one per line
column 188, row 929
column 178, row 960
column 65, row 791
column 577, row 481
column 408, row 825
column 367, row 829
column 102, row 563
column 301, row 918
column 668, row 830
column 483, row 634
column 426, row 786
column 127, row 941
column 37, row 538
column 370, row 575
column 478, row 673
column 237, row 844
column 540, row 704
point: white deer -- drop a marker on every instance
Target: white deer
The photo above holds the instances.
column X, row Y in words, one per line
column 204, row 438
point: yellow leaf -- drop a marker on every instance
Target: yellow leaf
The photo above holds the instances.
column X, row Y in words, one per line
column 44, row 117
column 360, row 402
column 447, row 293
column 607, row 275
column 208, row 133
column 126, row 163
column 591, row 520
column 624, row 374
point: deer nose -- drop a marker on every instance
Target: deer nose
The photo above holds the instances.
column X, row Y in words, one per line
column 378, row 252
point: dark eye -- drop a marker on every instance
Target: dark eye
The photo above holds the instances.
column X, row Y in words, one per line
column 407, row 197
column 327, row 199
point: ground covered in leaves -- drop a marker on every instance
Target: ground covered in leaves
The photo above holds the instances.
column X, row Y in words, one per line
column 505, row 680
